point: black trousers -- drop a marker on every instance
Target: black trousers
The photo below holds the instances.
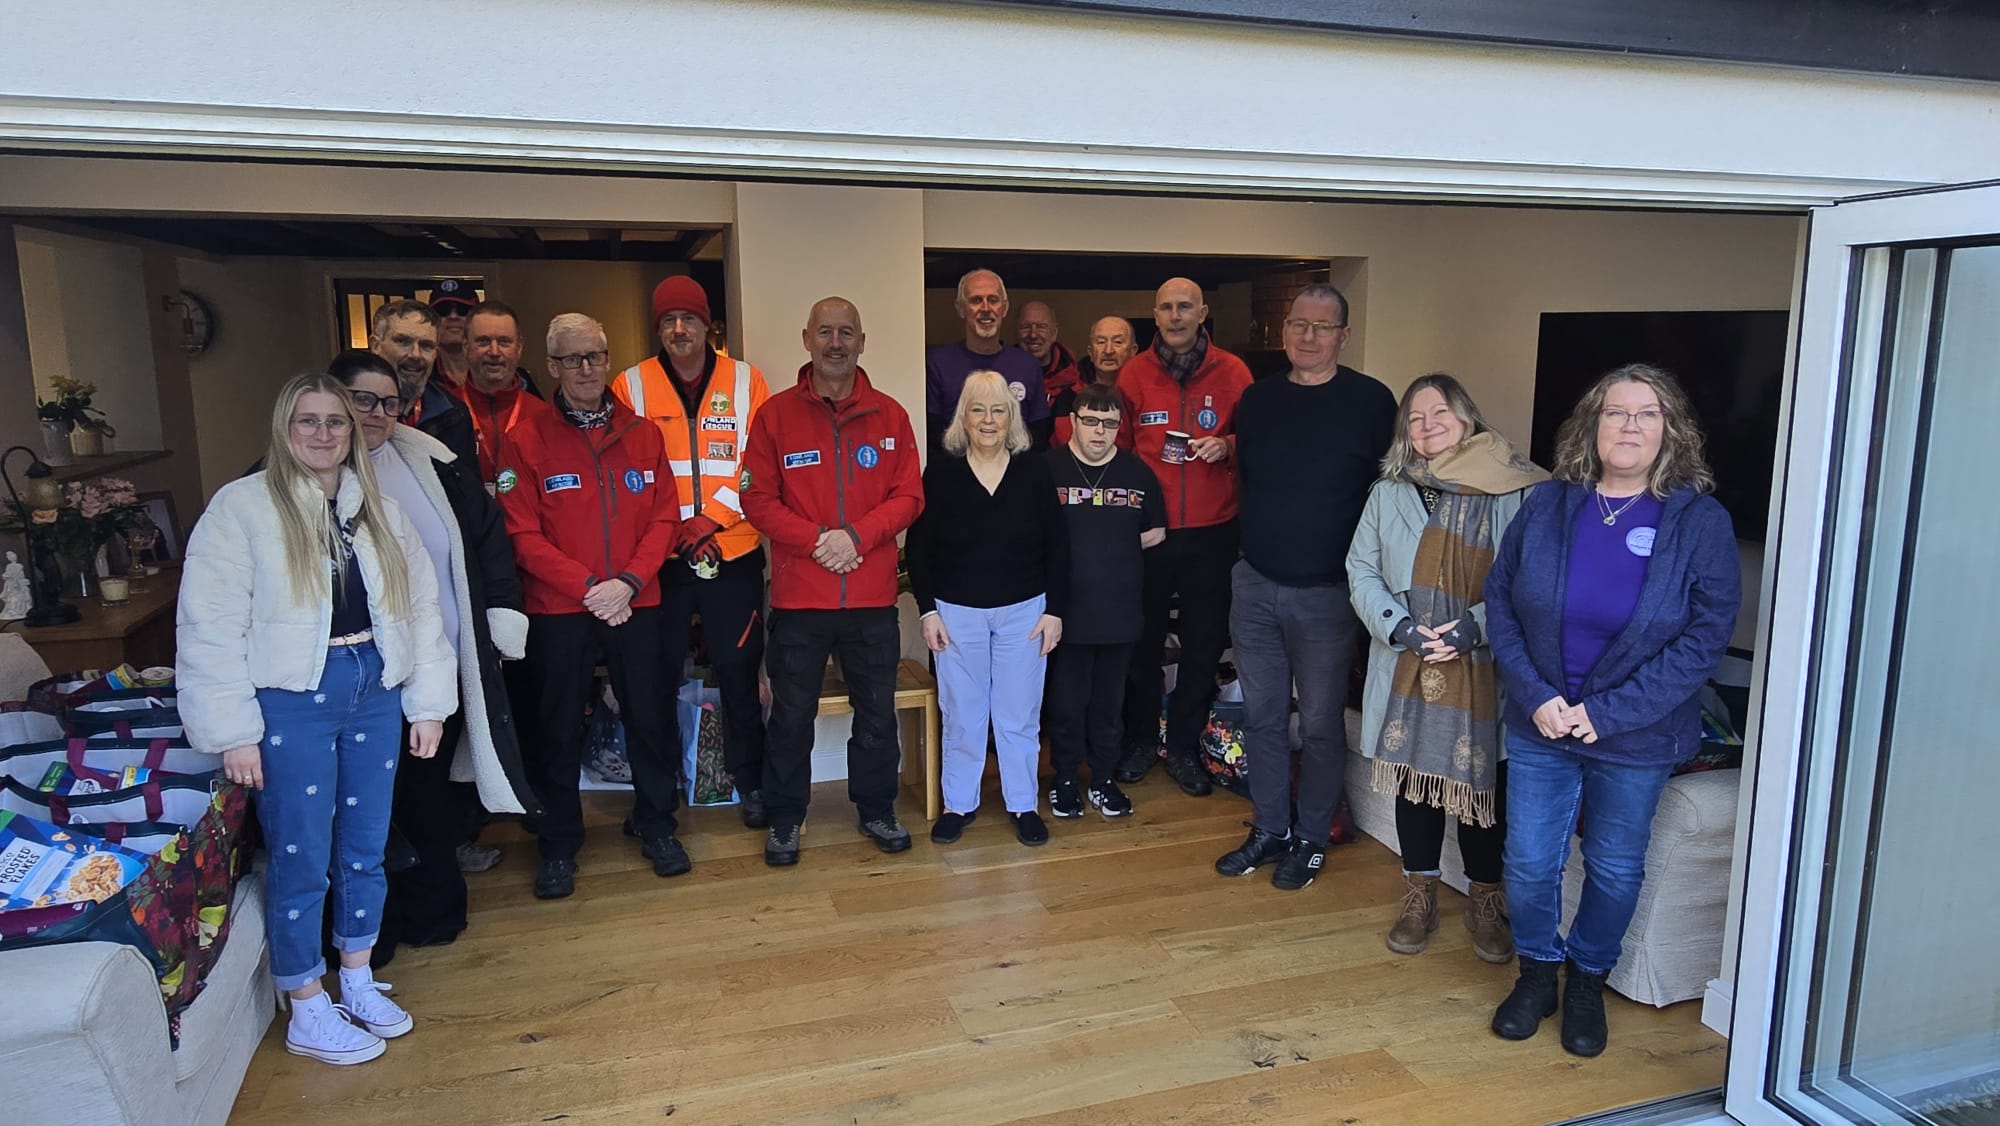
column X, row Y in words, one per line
column 563, row 650
column 426, row 903
column 731, row 606
column 1082, row 708
column 1193, row 563
column 869, row 645
column 1420, row 831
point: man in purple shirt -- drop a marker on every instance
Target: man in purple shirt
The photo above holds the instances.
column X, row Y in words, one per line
column 982, row 303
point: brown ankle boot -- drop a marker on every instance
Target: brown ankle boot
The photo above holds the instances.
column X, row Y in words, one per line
column 1486, row 918
column 1412, row 932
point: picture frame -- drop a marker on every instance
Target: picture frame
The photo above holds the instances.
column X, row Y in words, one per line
column 167, row 546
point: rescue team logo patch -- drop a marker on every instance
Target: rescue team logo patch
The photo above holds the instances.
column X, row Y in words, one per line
column 718, row 403
column 727, row 425
column 635, row 481
column 1153, row 418
column 1207, row 419
column 867, row 457
column 743, row 482
column 561, row 481
column 722, row 449
column 801, row 459
column 506, row 481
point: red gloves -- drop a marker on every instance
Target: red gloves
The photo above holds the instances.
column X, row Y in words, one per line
column 697, row 544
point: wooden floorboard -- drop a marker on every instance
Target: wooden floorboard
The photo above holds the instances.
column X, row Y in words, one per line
column 1108, row 978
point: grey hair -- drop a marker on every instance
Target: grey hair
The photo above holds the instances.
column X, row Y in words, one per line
column 957, row 441
column 1321, row 291
column 573, row 324
column 391, row 312
column 970, row 274
column 1402, row 461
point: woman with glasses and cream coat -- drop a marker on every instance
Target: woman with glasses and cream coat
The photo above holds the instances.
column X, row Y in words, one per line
column 479, row 598
column 1609, row 604
column 308, row 632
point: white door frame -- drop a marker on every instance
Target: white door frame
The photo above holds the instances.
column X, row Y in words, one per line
column 1793, row 790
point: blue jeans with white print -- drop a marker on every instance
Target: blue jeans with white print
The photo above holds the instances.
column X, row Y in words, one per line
column 329, row 781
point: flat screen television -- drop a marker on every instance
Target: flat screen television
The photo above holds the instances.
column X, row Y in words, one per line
column 1732, row 364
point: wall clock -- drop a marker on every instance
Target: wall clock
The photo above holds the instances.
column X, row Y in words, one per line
column 197, row 322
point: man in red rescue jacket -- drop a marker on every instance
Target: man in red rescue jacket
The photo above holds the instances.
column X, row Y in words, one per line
column 1180, row 418
column 831, row 477
column 592, row 508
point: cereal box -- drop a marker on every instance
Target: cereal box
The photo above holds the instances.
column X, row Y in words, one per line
column 42, row 865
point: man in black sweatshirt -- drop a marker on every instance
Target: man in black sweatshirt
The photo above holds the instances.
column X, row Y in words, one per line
column 1308, row 447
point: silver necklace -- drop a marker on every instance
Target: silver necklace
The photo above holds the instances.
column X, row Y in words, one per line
column 1096, row 493
column 1604, row 505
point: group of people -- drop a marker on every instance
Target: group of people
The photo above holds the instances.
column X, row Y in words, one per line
column 446, row 555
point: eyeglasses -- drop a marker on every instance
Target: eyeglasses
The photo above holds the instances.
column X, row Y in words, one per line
column 333, row 424
column 1095, row 423
column 1648, row 419
column 577, row 360
column 367, row 402
column 680, row 320
column 1324, row 330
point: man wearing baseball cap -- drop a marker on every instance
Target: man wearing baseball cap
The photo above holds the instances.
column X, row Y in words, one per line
column 452, row 300
column 704, row 405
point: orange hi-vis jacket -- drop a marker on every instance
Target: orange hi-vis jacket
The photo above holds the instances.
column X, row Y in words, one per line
column 706, row 451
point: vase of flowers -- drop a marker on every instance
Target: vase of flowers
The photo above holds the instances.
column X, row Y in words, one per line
column 70, row 412
column 92, row 512
column 55, row 443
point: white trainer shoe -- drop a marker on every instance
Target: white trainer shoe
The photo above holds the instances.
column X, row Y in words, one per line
column 375, row 1012
column 322, row 1030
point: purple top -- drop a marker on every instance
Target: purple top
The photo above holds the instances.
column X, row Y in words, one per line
column 947, row 365
column 1607, row 566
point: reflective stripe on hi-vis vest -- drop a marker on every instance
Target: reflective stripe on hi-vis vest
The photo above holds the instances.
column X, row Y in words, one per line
column 704, row 452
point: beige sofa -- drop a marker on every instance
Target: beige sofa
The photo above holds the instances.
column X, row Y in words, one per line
column 1674, row 945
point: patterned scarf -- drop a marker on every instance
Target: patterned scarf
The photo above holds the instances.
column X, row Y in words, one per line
column 583, row 419
column 1181, row 365
column 1440, row 736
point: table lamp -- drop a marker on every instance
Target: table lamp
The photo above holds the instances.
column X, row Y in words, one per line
column 44, row 564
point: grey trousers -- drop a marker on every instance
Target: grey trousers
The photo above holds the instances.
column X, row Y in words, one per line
column 1286, row 636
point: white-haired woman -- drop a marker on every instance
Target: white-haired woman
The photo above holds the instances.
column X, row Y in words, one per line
column 989, row 561
column 308, row 632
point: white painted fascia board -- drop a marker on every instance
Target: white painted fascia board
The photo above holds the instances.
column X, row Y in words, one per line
column 78, row 126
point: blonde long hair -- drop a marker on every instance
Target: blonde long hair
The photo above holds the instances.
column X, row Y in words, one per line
column 1402, row 461
column 1682, row 460
column 957, row 441
column 311, row 540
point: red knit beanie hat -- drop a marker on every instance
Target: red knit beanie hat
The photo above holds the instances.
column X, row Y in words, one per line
column 680, row 293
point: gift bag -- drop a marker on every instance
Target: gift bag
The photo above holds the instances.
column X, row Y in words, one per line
column 703, row 771
column 604, row 753
column 1222, row 747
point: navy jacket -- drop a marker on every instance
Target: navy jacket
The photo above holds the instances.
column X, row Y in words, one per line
column 1643, row 695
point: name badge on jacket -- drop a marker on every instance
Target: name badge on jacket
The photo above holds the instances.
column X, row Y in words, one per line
column 561, row 481
column 801, row 459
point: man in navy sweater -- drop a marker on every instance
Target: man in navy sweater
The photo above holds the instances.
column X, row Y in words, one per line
column 1308, row 446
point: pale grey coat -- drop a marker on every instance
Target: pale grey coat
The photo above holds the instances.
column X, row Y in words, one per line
column 1379, row 565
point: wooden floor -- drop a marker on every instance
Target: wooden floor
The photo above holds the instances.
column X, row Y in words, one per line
column 1109, row 977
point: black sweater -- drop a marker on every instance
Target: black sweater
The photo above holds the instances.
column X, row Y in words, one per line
column 980, row 549
column 1305, row 460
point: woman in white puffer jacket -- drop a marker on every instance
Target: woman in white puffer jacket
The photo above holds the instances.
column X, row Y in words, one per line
column 308, row 630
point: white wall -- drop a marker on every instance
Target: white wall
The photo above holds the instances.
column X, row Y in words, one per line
column 1412, row 118
column 89, row 319
column 262, row 310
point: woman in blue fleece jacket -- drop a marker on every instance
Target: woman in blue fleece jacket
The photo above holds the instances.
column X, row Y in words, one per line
column 1611, row 600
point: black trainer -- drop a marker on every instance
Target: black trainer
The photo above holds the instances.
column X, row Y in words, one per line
column 1028, row 827
column 951, row 826
column 556, row 879
column 781, row 847
column 1189, row 773
column 1064, row 799
column 1298, row 867
column 1583, row 1032
column 754, row 816
column 1135, row 764
column 1532, row 1001
column 887, row 833
column 1110, row 800
column 667, row 855
column 1258, row 849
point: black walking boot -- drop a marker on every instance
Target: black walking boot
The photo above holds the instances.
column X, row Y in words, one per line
column 1136, row 762
column 1583, row 1031
column 1188, row 772
column 1533, row 1000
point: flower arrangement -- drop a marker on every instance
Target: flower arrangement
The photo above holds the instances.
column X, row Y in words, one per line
column 92, row 513
column 71, row 406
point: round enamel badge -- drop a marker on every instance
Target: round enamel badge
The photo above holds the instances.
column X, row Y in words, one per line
column 506, row 481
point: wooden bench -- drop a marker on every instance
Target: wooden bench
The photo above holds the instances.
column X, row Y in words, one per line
column 916, row 707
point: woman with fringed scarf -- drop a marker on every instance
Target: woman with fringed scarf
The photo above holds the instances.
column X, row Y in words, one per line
column 1431, row 706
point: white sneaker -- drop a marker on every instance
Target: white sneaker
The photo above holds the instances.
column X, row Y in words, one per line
column 376, row 1013
column 321, row 1029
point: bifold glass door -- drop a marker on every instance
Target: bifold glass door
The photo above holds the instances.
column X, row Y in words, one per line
column 1868, row 987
